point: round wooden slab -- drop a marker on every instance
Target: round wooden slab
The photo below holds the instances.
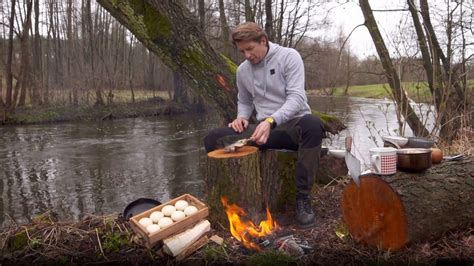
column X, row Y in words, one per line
column 374, row 213
column 221, row 154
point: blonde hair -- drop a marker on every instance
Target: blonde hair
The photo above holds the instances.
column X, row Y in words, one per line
column 248, row 31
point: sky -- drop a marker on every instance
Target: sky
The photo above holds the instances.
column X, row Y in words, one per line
column 348, row 15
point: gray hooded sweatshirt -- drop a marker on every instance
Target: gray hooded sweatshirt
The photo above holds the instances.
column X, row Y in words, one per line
column 274, row 87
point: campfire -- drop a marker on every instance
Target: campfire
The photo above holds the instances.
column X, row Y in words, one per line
column 245, row 231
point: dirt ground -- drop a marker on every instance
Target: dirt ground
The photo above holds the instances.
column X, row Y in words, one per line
column 109, row 239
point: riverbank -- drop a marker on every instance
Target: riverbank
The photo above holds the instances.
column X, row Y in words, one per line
column 109, row 239
column 55, row 114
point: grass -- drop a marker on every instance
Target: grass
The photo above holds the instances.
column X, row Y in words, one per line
column 418, row 91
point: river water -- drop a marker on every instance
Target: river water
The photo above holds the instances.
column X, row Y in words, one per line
column 76, row 169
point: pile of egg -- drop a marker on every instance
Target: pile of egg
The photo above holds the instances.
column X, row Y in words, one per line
column 167, row 216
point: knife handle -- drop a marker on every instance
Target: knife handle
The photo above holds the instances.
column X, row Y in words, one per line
column 348, row 143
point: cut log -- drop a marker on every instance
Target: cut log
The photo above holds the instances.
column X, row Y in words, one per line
column 258, row 180
column 178, row 243
column 391, row 211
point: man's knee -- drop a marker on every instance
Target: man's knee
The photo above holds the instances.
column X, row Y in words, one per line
column 312, row 130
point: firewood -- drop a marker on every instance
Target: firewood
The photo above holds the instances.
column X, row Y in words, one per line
column 193, row 248
column 178, row 243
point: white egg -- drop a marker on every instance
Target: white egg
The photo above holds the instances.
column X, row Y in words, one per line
column 190, row 210
column 168, row 210
column 156, row 216
column 178, row 216
column 145, row 221
column 152, row 228
column 164, row 222
column 181, row 205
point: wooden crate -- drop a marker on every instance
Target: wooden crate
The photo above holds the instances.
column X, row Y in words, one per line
column 152, row 239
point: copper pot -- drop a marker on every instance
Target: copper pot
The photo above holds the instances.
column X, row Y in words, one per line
column 413, row 159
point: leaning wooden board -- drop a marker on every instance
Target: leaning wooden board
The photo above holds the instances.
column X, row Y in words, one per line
column 152, row 239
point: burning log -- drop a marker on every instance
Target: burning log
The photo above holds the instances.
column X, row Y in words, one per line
column 390, row 211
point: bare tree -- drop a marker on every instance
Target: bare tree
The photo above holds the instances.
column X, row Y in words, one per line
column 404, row 109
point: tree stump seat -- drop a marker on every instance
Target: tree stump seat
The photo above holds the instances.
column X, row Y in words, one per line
column 259, row 179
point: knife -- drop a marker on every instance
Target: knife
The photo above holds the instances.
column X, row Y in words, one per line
column 236, row 145
column 353, row 164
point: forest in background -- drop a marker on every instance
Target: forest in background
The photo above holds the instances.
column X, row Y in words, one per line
column 74, row 52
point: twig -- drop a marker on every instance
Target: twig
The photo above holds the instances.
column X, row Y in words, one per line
column 100, row 245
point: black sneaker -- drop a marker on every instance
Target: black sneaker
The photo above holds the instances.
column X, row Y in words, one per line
column 304, row 212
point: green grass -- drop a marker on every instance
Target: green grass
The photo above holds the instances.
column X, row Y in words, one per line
column 417, row 91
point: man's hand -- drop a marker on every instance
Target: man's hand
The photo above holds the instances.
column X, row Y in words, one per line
column 239, row 124
column 261, row 133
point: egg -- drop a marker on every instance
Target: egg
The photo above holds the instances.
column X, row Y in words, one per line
column 178, row 216
column 145, row 221
column 156, row 216
column 168, row 210
column 152, row 228
column 436, row 155
column 181, row 205
column 164, row 222
column 190, row 210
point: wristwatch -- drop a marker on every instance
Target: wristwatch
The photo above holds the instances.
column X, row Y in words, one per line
column 271, row 121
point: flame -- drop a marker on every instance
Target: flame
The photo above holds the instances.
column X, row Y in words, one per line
column 243, row 230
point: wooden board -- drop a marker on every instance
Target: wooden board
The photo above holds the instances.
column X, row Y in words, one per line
column 176, row 227
column 241, row 152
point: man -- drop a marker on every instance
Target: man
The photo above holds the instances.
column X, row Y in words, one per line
column 271, row 82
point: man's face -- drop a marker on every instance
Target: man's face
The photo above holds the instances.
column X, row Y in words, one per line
column 253, row 51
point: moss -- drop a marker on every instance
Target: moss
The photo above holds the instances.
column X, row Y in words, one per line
column 271, row 258
column 232, row 66
column 325, row 118
column 287, row 170
column 20, row 240
column 113, row 242
column 146, row 22
column 213, row 254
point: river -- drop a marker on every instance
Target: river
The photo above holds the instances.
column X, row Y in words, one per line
column 81, row 168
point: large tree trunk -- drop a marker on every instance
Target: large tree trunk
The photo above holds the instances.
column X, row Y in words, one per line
column 403, row 106
column 390, row 211
column 168, row 29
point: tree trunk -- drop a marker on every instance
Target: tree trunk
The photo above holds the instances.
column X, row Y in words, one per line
column 269, row 20
column 390, row 211
column 224, row 28
column 239, row 179
column 25, row 67
column 37, row 71
column 8, row 66
column 403, row 107
column 261, row 179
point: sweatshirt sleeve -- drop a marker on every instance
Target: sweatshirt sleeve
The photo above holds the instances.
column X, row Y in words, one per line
column 244, row 98
column 295, row 94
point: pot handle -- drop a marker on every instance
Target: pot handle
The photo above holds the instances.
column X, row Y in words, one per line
column 376, row 162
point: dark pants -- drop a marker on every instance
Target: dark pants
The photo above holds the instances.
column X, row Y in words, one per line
column 303, row 134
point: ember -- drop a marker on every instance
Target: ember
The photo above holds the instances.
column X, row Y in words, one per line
column 244, row 231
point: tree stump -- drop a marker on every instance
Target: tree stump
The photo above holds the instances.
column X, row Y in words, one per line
column 256, row 180
column 390, row 211
column 237, row 176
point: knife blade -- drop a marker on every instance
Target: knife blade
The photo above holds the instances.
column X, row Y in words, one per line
column 353, row 164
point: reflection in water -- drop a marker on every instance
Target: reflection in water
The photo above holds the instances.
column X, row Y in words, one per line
column 75, row 169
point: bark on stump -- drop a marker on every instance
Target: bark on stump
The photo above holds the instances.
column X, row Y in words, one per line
column 390, row 211
column 258, row 180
